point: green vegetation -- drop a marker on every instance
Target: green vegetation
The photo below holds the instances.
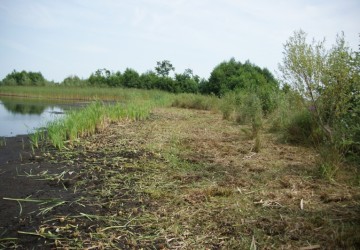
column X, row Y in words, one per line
column 192, row 101
column 24, row 78
column 173, row 181
column 225, row 77
column 318, row 104
column 329, row 84
column 2, row 142
column 216, row 171
column 234, row 75
column 78, row 93
column 95, row 118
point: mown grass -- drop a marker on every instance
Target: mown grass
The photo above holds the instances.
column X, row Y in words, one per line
column 174, row 182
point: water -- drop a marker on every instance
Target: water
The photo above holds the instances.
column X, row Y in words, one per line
column 23, row 116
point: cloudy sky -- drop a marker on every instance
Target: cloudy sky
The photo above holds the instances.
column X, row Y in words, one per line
column 76, row 37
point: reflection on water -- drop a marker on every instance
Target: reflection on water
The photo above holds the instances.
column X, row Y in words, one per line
column 21, row 108
column 22, row 116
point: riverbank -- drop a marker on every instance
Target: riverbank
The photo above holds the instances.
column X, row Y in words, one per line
column 181, row 179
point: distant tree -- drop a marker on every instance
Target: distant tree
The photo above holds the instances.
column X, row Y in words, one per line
column 149, row 80
column 131, row 78
column 101, row 77
column 116, row 80
column 74, row 80
column 187, row 82
column 163, row 68
column 36, row 78
column 232, row 75
column 222, row 78
column 24, row 78
column 167, row 84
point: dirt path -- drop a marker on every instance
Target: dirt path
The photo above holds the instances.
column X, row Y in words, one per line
column 183, row 179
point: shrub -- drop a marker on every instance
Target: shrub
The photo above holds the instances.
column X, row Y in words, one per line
column 193, row 101
column 227, row 105
column 299, row 129
column 328, row 81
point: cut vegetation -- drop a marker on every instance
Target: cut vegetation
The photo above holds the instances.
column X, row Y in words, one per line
column 172, row 181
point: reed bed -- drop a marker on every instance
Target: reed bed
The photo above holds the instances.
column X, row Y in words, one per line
column 80, row 93
column 95, row 117
column 88, row 121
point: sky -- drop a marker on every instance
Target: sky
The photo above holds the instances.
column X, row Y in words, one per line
column 60, row 38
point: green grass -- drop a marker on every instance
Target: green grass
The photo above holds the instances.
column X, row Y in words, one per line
column 133, row 104
column 94, row 118
column 80, row 93
column 193, row 101
column 2, row 142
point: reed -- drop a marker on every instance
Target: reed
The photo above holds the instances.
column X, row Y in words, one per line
column 134, row 104
column 37, row 137
column 80, row 93
column 2, row 142
column 96, row 117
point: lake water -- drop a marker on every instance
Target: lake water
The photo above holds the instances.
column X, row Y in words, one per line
column 20, row 116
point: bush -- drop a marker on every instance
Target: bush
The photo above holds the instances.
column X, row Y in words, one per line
column 193, row 101
column 330, row 160
column 228, row 105
column 328, row 81
column 299, row 129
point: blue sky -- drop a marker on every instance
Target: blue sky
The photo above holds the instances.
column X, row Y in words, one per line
column 63, row 37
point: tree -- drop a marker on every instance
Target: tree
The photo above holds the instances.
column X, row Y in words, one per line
column 187, row 82
column 231, row 75
column 149, row 80
column 116, row 80
column 328, row 80
column 73, row 80
column 101, row 77
column 131, row 78
column 24, row 78
column 246, row 77
column 163, row 68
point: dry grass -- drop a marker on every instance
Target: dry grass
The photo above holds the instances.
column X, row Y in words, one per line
column 187, row 179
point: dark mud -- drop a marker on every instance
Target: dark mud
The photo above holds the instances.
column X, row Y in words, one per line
column 21, row 177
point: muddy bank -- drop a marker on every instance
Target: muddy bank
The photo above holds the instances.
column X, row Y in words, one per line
column 21, row 177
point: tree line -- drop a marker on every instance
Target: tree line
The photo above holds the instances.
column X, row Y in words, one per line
column 227, row 76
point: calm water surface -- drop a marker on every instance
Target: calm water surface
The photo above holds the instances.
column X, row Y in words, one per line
column 22, row 116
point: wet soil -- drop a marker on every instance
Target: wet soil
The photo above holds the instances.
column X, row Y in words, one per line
column 20, row 178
